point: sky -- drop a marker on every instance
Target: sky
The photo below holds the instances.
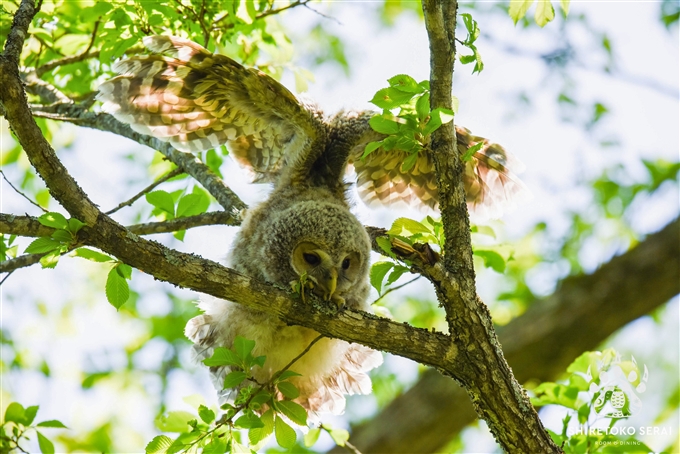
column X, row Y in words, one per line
column 643, row 118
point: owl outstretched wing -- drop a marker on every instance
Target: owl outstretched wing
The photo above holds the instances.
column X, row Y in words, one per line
column 197, row 100
column 490, row 182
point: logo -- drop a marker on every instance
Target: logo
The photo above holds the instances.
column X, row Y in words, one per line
column 620, row 382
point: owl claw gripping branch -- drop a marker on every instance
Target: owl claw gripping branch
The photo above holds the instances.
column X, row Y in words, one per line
column 304, row 234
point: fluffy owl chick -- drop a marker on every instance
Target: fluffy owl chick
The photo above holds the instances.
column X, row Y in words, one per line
column 296, row 231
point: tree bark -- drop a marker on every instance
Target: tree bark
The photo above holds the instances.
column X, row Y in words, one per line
column 539, row 345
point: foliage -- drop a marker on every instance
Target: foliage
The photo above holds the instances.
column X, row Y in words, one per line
column 411, row 128
column 263, row 409
column 18, row 424
column 544, row 10
column 599, row 393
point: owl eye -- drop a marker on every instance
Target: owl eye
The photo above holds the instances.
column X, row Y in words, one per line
column 312, row 259
column 345, row 263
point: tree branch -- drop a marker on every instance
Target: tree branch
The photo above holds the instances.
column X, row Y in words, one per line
column 134, row 198
column 72, row 59
column 539, row 345
column 496, row 395
column 187, row 270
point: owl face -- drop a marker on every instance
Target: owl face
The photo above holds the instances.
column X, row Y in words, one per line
column 333, row 272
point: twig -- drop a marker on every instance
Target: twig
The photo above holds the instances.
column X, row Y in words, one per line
column 304, row 352
column 21, row 193
column 20, row 262
column 136, row 197
column 5, row 278
column 72, row 59
column 259, row 16
column 174, row 225
column 396, row 288
column 347, row 445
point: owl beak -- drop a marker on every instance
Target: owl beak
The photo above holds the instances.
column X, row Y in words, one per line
column 328, row 283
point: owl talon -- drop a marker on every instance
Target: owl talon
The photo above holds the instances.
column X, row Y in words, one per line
column 339, row 301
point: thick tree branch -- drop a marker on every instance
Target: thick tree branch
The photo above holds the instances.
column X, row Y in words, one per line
column 539, row 345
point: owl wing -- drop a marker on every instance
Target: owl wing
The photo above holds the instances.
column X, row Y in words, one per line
column 490, row 183
column 195, row 100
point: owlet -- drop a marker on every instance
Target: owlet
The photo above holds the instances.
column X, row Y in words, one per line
column 197, row 100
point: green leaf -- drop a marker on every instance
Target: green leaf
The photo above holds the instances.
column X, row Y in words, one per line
column 438, row 117
column 117, row 289
column 470, row 152
column 583, row 413
column 206, row 414
column 46, row 446
column 370, row 148
column 158, row 445
column 249, row 420
column 219, row 446
column 161, row 200
column 243, row 347
column 312, row 436
column 124, row 270
column 396, row 273
column 238, row 448
column 15, row 412
column 378, row 272
column 286, row 374
column 53, row 423
column 42, row 245
column 518, row 9
column 29, row 414
column 257, row 434
column 390, row 98
column 260, row 398
column 544, row 12
column 386, row 245
column 492, row 259
column 384, row 124
column 285, row 435
column 62, row 236
column 411, row 227
column 405, row 83
column 192, row 205
column 233, row 379
column 339, row 436
column 50, row 259
column 288, row 389
column 222, row 357
column 74, row 225
column 565, row 7
column 293, row 411
column 54, row 220
column 175, row 421
column 93, row 255
column 423, row 106
column 409, row 162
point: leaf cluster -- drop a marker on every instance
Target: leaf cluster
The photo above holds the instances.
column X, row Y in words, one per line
column 179, row 204
column 586, row 392
column 261, row 409
column 59, row 242
column 410, row 129
column 17, row 425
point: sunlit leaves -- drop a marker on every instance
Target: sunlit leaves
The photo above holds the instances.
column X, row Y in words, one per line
column 544, row 10
column 59, row 242
column 285, row 435
column 17, row 424
column 409, row 129
column 117, row 288
column 469, row 42
column 159, row 444
column 175, row 421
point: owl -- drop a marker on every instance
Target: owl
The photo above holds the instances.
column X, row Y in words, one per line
column 196, row 100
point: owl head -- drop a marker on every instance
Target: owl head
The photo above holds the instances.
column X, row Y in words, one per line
column 325, row 242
